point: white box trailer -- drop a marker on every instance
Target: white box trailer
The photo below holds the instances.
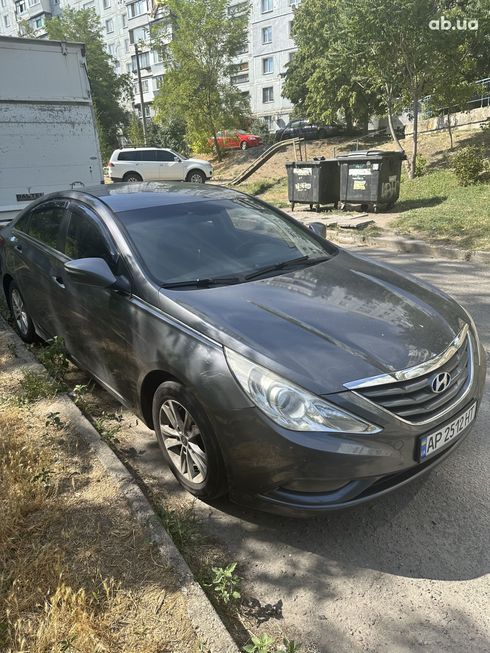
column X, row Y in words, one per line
column 48, row 139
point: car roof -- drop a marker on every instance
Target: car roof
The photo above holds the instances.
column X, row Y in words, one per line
column 133, row 196
column 132, row 149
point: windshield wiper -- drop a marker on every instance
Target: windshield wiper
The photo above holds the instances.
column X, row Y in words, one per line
column 285, row 264
column 203, row 283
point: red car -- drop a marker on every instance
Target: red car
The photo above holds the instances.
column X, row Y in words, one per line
column 230, row 139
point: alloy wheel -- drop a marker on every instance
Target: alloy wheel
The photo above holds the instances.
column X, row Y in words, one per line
column 183, row 441
column 19, row 312
column 196, row 178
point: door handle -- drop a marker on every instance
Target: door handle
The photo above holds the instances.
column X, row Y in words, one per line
column 18, row 248
column 58, row 280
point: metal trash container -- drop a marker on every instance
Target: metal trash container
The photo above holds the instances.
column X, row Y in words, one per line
column 370, row 178
column 313, row 182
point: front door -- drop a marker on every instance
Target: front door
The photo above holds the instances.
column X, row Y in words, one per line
column 171, row 167
column 97, row 327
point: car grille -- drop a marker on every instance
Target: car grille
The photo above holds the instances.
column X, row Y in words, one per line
column 414, row 400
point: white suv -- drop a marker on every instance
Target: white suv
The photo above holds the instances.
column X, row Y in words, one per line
column 156, row 164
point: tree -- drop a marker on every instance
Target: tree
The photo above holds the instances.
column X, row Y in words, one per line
column 322, row 79
column 384, row 47
column 108, row 89
column 200, row 60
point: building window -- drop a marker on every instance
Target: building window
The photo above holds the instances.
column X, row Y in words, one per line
column 144, row 59
column 242, row 49
column 106, row 4
column 89, row 5
column 38, row 22
column 3, row 3
column 293, row 3
column 32, row 3
column 238, row 9
column 124, row 20
column 157, row 82
column 129, row 67
column 117, row 65
column 144, row 86
column 126, row 45
column 6, row 21
column 157, row 57
column 20, row 7
column 266, row 6
column 291, row 29
column 267, row 94
column 267, row 65
column 137, row 8
column 109, row 26
column 267, row 35
column 241, row 76
column 139, row 34
column 268, row 121
column 111, row 49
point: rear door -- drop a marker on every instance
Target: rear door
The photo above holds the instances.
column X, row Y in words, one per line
column 170, row 166
column 150, row 166
column 37, row 260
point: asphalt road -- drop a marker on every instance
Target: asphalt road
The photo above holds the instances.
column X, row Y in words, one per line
column 406, row 573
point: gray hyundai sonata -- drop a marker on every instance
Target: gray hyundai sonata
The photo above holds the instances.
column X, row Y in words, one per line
column 273, row 366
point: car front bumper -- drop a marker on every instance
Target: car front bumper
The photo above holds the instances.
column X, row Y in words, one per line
column 303, row 473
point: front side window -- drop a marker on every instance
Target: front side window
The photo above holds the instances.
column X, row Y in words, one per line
column 84, row 239
column 44, row 224
column 213, row 239
column 164, row 155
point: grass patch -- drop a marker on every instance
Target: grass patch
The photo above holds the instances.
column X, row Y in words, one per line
column 35, row 386
column 435, row 206
column 274, row 191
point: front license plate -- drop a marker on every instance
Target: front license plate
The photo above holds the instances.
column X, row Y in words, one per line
column 433, row 442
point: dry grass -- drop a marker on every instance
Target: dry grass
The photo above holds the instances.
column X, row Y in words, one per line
column 76, row 575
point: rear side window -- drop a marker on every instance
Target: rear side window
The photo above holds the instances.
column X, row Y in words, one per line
column 84, row 239
column 22, row 223
column 129, row 156
column 45, row 223
column 163, row 155
column 148, row 155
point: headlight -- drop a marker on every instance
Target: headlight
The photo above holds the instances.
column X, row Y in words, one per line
column 289, row 405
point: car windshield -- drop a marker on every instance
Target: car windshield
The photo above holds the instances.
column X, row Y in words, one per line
column 226, row 241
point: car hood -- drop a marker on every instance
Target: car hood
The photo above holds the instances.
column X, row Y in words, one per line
column 201, row 162
column 325, row 325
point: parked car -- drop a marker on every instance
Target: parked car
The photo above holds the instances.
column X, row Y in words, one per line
column 233, row 139
column 273, row 365
column 309, row 130
column 157, row 164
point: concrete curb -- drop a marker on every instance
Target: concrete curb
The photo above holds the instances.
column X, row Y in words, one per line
column 202, row 614
column 407, row 246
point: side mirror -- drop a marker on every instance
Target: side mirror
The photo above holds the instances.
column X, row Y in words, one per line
column 318, row 228
column 95, row 272
column 177, row 158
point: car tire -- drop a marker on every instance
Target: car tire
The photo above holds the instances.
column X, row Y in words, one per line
column 23, row 323
column 132, row 176
column 196, row 177
column 187, row 441
column 243, row 145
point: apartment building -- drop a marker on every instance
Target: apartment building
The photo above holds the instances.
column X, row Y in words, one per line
column 262, row 61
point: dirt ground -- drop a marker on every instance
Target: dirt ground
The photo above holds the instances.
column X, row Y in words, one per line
column 76, row 572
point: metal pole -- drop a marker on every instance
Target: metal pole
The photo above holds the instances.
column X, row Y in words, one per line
column 140, row 86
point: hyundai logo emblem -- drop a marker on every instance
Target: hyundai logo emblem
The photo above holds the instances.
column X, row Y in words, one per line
column 441, row 382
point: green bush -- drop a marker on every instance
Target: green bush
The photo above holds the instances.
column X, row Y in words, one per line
column 420, row 166
column 468, row 165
